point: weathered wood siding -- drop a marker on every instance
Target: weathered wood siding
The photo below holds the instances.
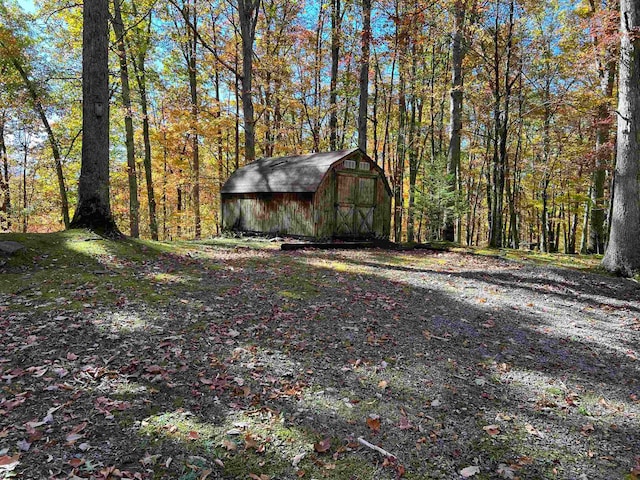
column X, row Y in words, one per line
column 282, row 213
column 382, row 214
column 324, row 207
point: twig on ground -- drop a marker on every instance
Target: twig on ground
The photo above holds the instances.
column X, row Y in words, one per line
column 376, row 448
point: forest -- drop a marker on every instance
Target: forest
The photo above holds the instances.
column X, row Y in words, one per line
column 494, row 121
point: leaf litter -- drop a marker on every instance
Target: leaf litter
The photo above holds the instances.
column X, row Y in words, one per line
column 534, row 379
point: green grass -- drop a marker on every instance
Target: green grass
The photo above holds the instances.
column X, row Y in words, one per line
column 76, row 267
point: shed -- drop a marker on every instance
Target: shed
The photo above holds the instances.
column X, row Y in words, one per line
column 340, row 194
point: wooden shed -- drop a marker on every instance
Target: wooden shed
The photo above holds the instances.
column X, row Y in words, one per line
column 322, row 195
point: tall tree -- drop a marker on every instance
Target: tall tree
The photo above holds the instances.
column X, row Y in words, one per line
column 139, row 58
column 94, row 205
column 134, row 204
column 336, row 21
column 604, row 30
column 455, row 109
column 5, row 194
column 248, row 15
column 364, row 75
column 623, row 252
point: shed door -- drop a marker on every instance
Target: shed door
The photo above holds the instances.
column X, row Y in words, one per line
column 365, row 205
column 355, row 205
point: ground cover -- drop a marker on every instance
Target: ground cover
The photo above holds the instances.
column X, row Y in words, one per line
column 231, row 359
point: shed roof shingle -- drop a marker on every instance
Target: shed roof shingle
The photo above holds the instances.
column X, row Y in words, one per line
column 297, row 173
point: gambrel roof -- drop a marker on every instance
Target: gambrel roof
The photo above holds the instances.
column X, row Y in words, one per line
column 296, row 173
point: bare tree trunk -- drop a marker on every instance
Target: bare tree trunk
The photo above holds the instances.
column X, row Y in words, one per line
column 195, row 145
column 5, row 193
column 25, row 200
column 623, row 253
column 139, row 67
column 53, row 142
column 94, row 205
column 364, row 75
column 336, row 20
column 134, row 204
column 606, row 65
column 248, row 13
column 455, row 119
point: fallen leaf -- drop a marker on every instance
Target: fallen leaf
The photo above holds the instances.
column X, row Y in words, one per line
column 193, row 435
column 298, row 458
column 322, row 446
column 382, row 384
column 469, row 471
column 24, row 445
column 250, row 441
column 229, row 445
column 8, row 463
column 76, row 462
column 373, row 422
column 492, row 429
column 404, row 424
column 533, row 430
column 587, row 429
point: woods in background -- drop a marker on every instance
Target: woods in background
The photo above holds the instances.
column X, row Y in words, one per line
column 493, row 120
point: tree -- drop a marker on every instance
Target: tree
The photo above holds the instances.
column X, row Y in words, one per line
column 134, row 205
column 364, row 75
column 623, row 253
column 94, row 206
column 248, row 15
column 455, row 118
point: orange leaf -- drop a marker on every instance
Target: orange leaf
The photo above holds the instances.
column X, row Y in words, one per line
column 193, row 435
column 374, row 423
column 250, row 442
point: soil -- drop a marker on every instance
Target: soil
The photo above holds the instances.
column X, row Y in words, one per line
column 230, row 362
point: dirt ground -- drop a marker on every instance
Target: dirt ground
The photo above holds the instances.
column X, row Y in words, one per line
column 225, row 361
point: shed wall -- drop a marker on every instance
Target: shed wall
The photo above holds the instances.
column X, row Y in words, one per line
column 283, row 213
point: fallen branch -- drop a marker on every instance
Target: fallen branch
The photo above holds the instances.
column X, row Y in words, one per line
column 382, row 451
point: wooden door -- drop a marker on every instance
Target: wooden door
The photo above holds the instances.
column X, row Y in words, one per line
column 355, row 205
column 345, row 208
column 364, row 207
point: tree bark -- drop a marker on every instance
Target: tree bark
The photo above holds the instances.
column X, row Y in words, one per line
column 606, row 65
column 455, row 118
column 336, row 20
column 5, row 193
column 248, row 14
column 134, row 204
column 139, row 67
column 364, row 75
column 623, row 252
column 94, row 206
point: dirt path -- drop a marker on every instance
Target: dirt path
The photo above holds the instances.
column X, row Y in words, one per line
column 241, row 363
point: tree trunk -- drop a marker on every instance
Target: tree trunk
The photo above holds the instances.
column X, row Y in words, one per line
column 5, row 194
column 94, row 206
column 606, row 64
column 455, row 119
column 139, row 61
column 248, row 13
column 53, row 142
column 195, row 140
column 364, row 75
column 623, row 253
column 134, row 204
column 336, row 20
